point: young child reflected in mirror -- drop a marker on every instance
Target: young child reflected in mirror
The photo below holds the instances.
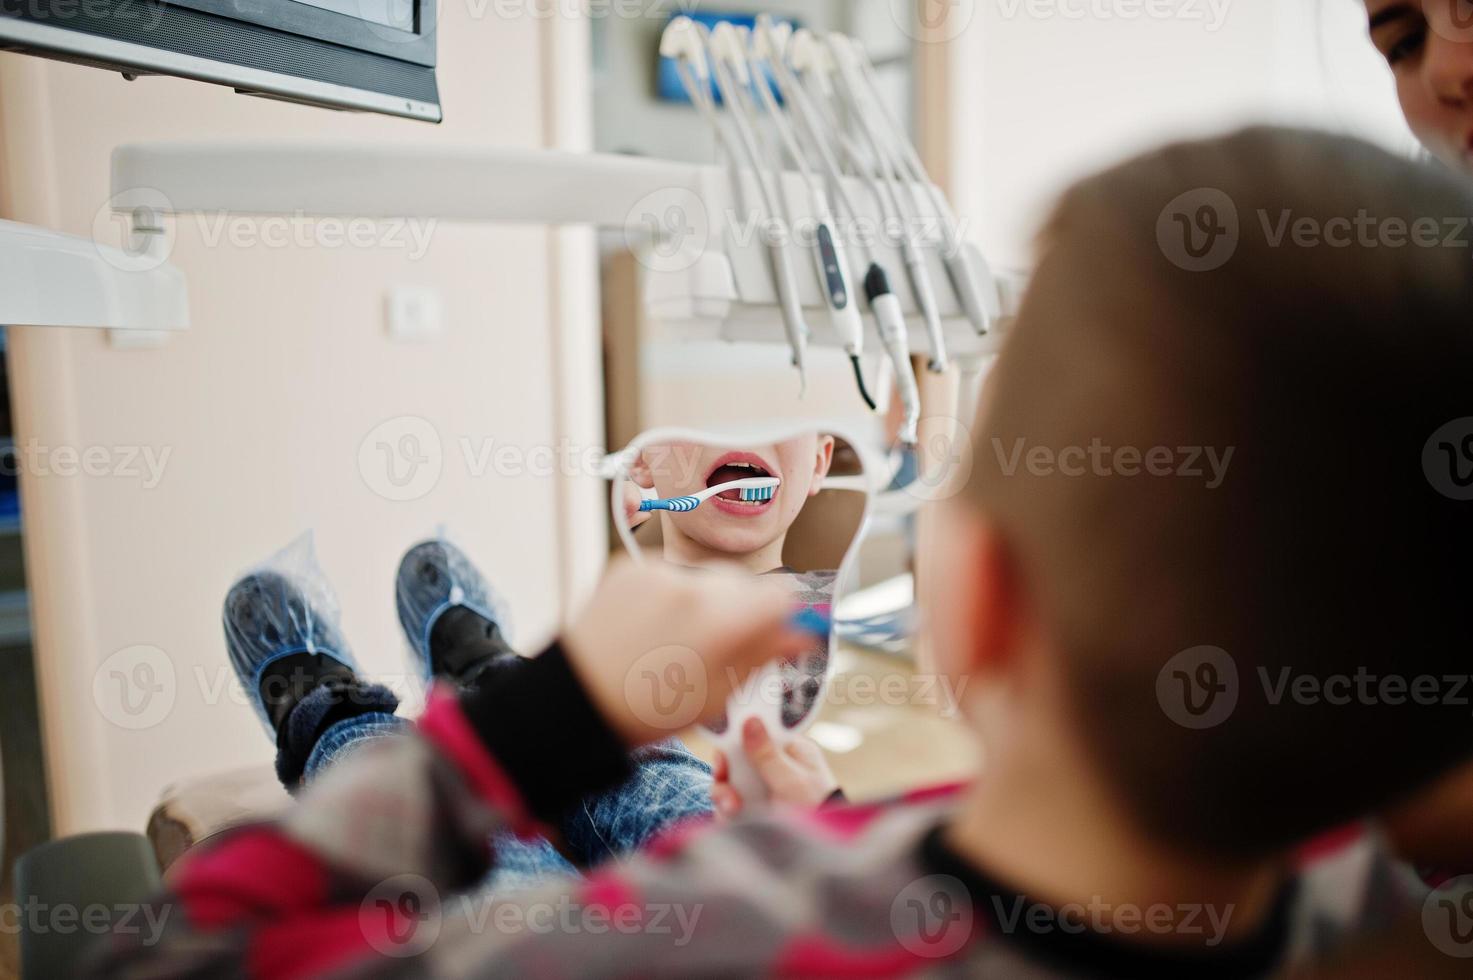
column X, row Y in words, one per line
column 754, row 535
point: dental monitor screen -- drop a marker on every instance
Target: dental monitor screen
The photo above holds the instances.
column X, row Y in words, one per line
column 364, row 55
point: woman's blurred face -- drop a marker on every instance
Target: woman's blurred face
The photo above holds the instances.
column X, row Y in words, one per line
column 1429, row 45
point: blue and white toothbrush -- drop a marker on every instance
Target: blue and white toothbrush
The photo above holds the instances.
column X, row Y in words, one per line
column 754, row 491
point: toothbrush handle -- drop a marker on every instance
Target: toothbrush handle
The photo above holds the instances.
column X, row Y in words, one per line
column 677, row 505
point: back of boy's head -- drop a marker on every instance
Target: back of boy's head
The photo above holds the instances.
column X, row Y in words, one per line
column 1326, row 551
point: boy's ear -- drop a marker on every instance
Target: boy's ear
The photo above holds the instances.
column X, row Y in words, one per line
column 976, row 595
column 1000, row 602
column 640, row 473
column 822, row 462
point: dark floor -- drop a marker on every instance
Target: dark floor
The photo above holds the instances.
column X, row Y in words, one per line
column 27, row 816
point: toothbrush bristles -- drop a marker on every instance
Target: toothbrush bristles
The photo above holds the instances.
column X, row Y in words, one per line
column 758, row 496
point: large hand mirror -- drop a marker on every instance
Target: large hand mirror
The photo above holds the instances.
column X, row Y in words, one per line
column 788, row 503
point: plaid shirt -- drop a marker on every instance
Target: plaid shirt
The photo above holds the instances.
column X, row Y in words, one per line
column 374, row 874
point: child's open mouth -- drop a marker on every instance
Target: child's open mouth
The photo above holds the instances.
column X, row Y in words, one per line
column 739, row 466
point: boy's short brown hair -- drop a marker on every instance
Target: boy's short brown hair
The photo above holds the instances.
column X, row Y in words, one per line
column 1247, row 297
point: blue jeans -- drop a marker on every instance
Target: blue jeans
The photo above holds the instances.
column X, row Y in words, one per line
column 668, row 786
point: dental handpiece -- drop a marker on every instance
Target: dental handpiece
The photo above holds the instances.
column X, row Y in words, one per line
column 686, row 42
column 889, row 181
column 829, row 251
column 809, row 56
column 776, row 41
column 959, row 265
column 724, row 46
column 893, row 335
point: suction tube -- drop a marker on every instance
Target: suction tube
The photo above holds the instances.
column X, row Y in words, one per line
column 859, row 380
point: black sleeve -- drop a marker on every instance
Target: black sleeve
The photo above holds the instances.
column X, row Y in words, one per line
column 540, row 726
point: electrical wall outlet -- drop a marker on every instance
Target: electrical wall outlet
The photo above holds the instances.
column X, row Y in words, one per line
column 415, row 314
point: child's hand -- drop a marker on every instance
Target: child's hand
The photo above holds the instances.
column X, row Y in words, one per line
column 660, row 647
column 632, row 499
column 795, row 773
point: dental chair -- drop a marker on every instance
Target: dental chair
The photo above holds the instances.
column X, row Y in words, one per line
column 114, row 871
column 119, row 870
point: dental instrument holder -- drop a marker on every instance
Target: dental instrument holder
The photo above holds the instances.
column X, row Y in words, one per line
column 730, row 280
column 712, row 279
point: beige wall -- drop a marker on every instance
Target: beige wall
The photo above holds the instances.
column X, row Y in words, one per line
column 1043, row 100
column 263, row 405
